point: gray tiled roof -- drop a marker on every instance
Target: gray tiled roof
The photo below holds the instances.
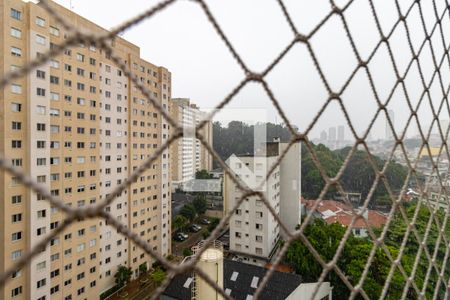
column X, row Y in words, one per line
column 279, row 286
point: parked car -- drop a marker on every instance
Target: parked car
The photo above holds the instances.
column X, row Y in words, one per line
column 180, row 236
column 195, row 228
column 205, row 221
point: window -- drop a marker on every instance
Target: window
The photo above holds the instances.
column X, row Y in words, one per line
column 40, row 266
column 80, row 72
column 17, row 162
column 17, row 33
column 40, row 110
column 80, row 247
column 16, row 89
column 16, row 254
column 16, row 218
column 54, row 64
column 80, row 57
column 54, row 289
column 41, row 214
column 16, row 125
column 16, row 291
column 40, row 91
column 54, row 257
column 16, row 236
column 40, row 74
column 259, row 226
column 40, row 39
column 40, row 144
column 16, row 51
column 54, row 96
column 16, row 199
column 54, row 79
column 16, row 107
column 16, row 144
column 54, row 31
column 40, row 231
column 54, row 273
column 54, row 128
column 40, row 21
column 80, row 291
column 54, row 112
column 41, row 283
column 16, row 274
column 16, row 14
column 259, row 238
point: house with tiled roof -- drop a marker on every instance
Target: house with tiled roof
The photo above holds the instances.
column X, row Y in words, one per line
column 332, row 211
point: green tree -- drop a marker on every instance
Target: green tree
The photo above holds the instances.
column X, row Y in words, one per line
column 142, row 269
column 397, row 231
column 200, row 204
column 326, row 239
column 179, row 223
column 202, row 174
column 213, row 224
column 187, row 252
column 123, row 275
column 188, row 211
column 158, row 276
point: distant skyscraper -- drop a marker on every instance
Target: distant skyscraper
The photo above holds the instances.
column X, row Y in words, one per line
column 332, row 134
column 388, row 131
column 323, row 135
column 341, row 133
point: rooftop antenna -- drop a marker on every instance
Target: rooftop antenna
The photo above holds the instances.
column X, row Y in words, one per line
column 70, row 4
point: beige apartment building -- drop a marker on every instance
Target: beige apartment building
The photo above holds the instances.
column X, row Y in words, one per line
column 80, row 127
column 189, row 155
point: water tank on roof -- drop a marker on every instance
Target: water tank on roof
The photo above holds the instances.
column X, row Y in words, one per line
column 210, row 262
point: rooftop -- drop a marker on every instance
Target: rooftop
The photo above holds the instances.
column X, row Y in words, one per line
column 240, row 281
column 333, row 211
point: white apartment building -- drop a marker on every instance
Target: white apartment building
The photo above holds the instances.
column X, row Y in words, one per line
column 189, row 154
column 254, row 232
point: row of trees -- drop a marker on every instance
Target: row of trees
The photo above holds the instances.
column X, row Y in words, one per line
column 326, row 238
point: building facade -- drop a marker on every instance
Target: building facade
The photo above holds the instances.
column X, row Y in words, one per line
column 79, row 126
column 188, row 153
column 254, row 231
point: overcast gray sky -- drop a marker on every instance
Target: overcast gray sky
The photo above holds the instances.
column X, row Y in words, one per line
column 181, row 39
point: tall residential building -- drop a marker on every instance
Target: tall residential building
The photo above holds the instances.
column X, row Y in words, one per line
column 388, row 131
column 79, row 127
column 323, row 136
column 332, row 134
column 188, row 153
column 341, row 133
column 254, row 232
